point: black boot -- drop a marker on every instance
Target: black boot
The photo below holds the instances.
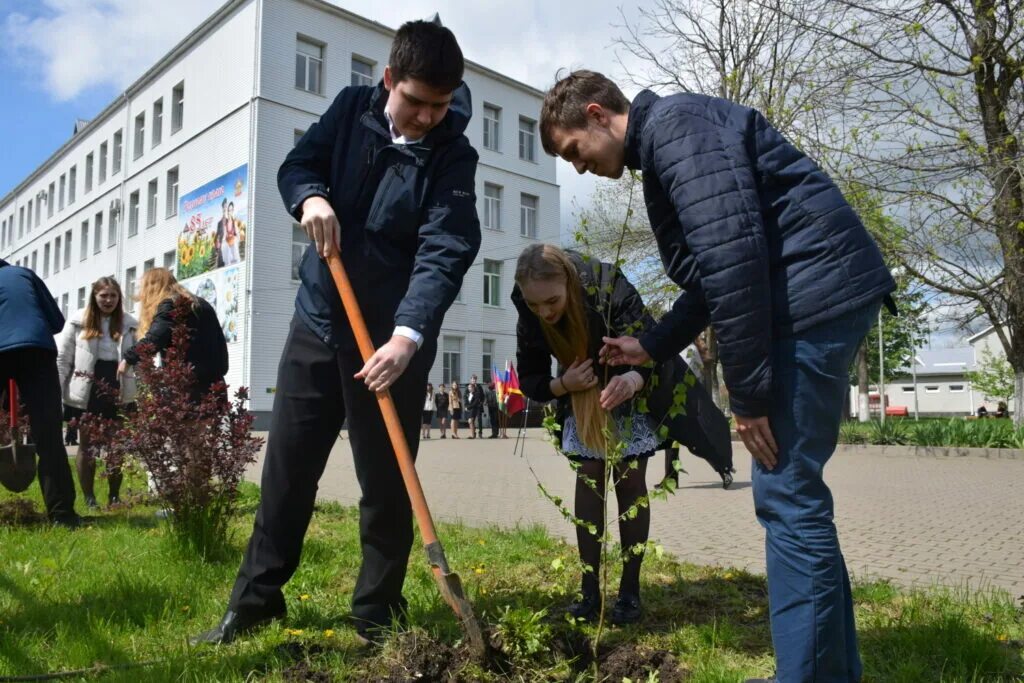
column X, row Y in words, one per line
column 627, row 609
column 586, row 608
column 231, row 626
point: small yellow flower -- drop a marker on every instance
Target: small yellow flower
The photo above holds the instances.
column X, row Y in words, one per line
column 482, row 542
column 329, row 633
column 479, row 570
column 1002, row 637
column 728, row 576
column 185, row 608
column 304, row 597
column 294, row 631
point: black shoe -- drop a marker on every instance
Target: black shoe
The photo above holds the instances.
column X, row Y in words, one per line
column 726, row 480
column 90, row 502
column 232, row 626
column 586, row 608
column 70, row 522
column 113, row 500
column 627, row 610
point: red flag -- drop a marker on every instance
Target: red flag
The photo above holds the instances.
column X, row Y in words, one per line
column 515, row 400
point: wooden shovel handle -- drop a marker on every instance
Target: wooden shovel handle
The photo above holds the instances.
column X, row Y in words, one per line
column 387, row 404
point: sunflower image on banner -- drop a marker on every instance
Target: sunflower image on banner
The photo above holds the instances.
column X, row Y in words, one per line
column 214, row 232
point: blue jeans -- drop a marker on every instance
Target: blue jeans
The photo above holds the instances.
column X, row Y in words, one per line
column 808, row 587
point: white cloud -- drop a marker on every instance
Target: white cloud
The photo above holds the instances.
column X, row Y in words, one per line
column 71, row 46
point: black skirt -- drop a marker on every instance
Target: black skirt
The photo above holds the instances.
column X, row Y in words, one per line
column 102, row 402
column 428, row 416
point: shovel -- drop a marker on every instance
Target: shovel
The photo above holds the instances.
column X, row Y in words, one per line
column 447, row 580
column 18, row 458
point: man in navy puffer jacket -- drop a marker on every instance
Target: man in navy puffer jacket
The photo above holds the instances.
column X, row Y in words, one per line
column 767, row 250
column 29, row 318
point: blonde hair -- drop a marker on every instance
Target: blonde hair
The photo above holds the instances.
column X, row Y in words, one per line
column 92, row 321
column 568, row 339
column 157, row 285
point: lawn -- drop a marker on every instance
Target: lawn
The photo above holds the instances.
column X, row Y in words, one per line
column 118, row 594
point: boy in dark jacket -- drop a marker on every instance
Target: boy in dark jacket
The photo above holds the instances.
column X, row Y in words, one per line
column 29, row 318
column 387, row 178
column 766, row 250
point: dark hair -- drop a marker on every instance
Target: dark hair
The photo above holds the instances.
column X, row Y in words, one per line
column 566, row 102
column 427, row 52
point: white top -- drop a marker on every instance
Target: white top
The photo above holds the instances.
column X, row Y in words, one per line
column 429, row 403
column 107, row 348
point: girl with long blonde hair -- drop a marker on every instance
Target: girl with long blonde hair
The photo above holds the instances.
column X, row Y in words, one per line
column 566, row 305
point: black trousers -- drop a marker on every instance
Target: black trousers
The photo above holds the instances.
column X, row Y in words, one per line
column 493, row 413
column 316, row 391
column 35, row 372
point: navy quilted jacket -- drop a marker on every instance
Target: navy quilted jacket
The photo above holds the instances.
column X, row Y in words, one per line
column 759, row 238
column 409, row 228
column 29, row 316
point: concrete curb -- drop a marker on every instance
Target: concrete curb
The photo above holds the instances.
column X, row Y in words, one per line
column 924, row 451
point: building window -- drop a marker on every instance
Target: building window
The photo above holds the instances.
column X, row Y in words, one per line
column 88, row 172
column 151, row 203
column 39, row 209
column 169, row 258
column 67, row 249
column 527, row 139
column 21, row 222
column 298, row 136
column 3, row 233
column 172, row 192
column 84, row 246
column 527, row 215
column 309, row 65
column 492, row 127
column 51, row 199
column 931, row 388
column 451, row 360
column 492, row 282
column 46, row 260
column 908, row 390
column 64, row 304
column 177, row 107
column 158, row 121
column 140, row 135
column 112, row 229
column 56, row 256
column 299, row 242
column 117, row 153
column 30, row 215
column 956, row 388
column 35, row 260
column 72, row 184
column 492, row 206
column 487, row 360
column 81, row 298
column 129, row 288
column 133, row 214
column 63, row 186
column 103, row 163
column 97, row 229
column 362, row 71
column 148, row 265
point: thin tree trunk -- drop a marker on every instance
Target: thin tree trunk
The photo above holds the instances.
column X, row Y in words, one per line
column 863, row 404
column 1018, row 393
column 711, row 367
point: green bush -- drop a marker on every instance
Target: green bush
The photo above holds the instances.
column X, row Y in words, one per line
column 952, row 433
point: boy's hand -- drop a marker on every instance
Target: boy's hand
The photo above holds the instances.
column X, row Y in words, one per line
column 622, row 351
column 321, row 225
column 388, row 363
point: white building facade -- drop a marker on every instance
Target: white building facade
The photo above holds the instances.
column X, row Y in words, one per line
column 148, row 182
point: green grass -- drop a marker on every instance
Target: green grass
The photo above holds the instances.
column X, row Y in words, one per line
column 120, row 592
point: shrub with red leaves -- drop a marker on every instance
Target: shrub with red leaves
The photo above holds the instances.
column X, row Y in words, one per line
column 195, row 452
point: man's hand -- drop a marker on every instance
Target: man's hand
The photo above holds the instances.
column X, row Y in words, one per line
column 620, row 389
column 622, row 351
column 388, row 363
column 321, row 225
column 756, row 434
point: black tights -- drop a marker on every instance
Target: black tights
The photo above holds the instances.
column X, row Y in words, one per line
column 630, row 484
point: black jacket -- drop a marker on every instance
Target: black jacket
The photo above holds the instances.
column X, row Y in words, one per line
column 701, row 427
column 759, row 238
column 207, row 349
column 409, row 228
column 475, row 399
column 441, row 403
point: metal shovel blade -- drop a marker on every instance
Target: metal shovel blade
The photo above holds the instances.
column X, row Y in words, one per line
column 450, row 585
column 17, row 466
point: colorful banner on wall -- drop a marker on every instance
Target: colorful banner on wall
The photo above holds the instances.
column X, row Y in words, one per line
column 215, row 224
column 221, row 289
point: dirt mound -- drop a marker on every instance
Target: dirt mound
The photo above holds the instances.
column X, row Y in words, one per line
column 20, row 512
column 633, row 662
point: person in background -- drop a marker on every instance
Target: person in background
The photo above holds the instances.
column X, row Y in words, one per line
column 1002, row 411
column 207, row 352
column 982, row 412
column 492, row 409
column 29, row 319
column 441, row 408
column 474, row 406
column 70, row 431
column 455, row 408
column 91, row 347
column 428, row 412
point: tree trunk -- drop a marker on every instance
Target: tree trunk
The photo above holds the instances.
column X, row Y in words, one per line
column 711, row 367
column 863, row 404
column 1018, row 393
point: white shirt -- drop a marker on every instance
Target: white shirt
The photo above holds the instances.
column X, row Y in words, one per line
column 106, row 347
column 398, row 139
